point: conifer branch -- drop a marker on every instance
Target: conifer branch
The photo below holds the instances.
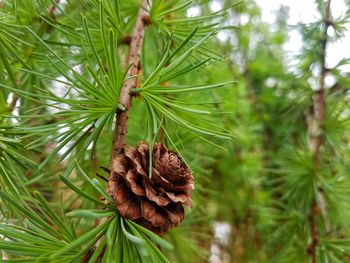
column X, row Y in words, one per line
column 314, row 233
column 319, row 107
column 126, row 97
column 316, row 136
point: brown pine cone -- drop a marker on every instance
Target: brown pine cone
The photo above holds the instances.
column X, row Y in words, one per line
column 157, row 202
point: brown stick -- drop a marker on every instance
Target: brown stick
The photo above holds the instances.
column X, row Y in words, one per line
column 316, row 136
column 313, row 229
column 125, row 98
column 52, row 9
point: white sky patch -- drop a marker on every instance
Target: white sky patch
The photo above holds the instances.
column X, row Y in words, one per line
column 15, row 110
column 339, row 50
column 245, row 19
column 301, row 11
column 222, row 36
column 330, row 80
column 344, row 68
column 65, row 148
column 193, row 11
column 314, row 84
column 10, row 96
column 271, row 82
column 215, row 6
column 90, row 146
column 63, row 129
column 295, row 42
column 331, row 32
column 59, row 88
column 75, row 50
column 338, row 8
column 62, row 4
column 77, row 68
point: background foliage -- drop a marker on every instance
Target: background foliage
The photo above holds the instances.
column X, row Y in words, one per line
column 235, row 109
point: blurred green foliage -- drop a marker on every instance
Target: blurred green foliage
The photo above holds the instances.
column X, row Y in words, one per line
column 235, row 108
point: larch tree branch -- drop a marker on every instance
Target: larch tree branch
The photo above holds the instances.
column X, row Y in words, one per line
column 125, row 99
column 316, row 138
column 126, row 96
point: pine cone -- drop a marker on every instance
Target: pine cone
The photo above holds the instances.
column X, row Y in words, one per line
column 157, row 202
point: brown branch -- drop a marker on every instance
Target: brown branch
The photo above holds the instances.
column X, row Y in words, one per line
column 313, row 229
column 319, row 107
column 125, row 98
column 52, row 9
column 316, row 137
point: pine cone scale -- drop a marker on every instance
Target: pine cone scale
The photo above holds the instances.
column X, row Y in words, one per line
column 132, row 179
column 126, row 201
column 157, row 202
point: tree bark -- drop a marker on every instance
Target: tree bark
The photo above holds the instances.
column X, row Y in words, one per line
column 126, row 97
column 316, row 139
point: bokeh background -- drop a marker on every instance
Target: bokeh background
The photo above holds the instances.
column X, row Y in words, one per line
column 264, row 196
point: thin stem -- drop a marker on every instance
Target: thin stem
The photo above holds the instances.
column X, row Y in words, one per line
column 314, row 234
column 52, row 9
column 316, row 137
column 126, row 97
